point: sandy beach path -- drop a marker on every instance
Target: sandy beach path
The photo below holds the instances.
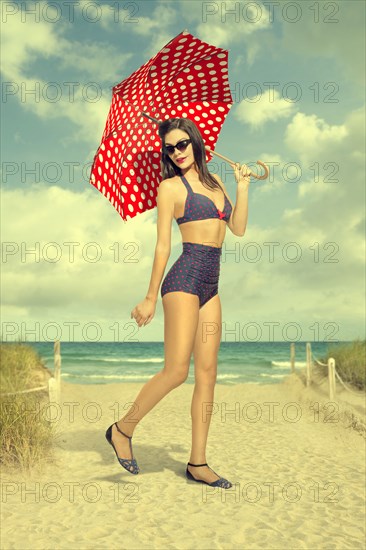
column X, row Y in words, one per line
column 298, row 481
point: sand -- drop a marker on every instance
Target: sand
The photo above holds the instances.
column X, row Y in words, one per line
column 298, row 481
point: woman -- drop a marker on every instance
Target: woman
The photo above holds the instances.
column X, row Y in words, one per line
column 199, row 203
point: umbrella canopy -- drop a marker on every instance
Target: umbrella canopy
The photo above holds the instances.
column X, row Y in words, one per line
column 188, row 78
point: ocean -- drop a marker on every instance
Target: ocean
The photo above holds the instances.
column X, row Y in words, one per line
column 111, row 362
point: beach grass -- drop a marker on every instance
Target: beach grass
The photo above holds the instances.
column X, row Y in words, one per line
column 25, row 433
column 350, row 362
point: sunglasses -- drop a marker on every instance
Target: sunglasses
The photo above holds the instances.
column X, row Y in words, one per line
column 181, row 146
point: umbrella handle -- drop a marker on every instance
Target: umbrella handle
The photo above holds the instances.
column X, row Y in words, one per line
column 265, row 168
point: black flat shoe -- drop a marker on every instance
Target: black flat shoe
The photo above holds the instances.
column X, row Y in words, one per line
column 126, row 463
column 221, row 482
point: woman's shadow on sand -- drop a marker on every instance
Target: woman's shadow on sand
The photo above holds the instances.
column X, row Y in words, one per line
column 150, row 458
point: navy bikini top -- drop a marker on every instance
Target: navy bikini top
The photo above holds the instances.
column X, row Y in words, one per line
column 201, row 207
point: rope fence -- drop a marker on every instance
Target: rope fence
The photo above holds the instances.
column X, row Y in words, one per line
column 332, row 372
column 338, row 376
column 54, row 382
column 25, row 391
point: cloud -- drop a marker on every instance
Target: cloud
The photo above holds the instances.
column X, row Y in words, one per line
column 162, row 16
column 326, row 224
column 276, row 182
column 209, row 23
column 82, row 102
column 335, row 155
column 160, row 26
column 326, row 33
column 49, row 217
column 69, row 256
column 268, row 106
column 253, row 51
column 310, row 133
column 230, row 22
column 23, row 43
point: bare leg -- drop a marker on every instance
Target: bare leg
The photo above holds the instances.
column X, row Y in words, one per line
column 180, row 326
column 206, row 348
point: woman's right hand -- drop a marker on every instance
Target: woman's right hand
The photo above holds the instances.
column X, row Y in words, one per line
column 144, row 311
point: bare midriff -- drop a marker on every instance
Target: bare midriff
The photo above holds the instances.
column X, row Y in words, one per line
column 210, row 232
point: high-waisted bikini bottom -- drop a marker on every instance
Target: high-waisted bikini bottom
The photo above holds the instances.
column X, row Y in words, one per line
column 196, row 271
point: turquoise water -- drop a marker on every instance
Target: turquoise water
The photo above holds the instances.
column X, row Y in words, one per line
column 110, row 362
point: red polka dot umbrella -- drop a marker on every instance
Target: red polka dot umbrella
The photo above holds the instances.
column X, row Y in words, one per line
column 187, row 78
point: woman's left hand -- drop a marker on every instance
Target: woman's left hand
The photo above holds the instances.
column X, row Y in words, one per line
column 242, row 173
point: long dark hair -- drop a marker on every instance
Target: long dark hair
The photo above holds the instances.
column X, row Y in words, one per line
column 169, row 168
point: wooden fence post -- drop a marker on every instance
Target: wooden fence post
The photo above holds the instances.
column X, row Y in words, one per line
column 54, row 395
column 308, row 364
column 57, row 366
column 292, row 348
column 331, row 378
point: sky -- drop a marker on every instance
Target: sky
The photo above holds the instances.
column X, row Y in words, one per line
column 73, row 270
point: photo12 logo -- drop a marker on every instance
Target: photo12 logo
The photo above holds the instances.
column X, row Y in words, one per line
column 268, row 12
column 70, row 11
